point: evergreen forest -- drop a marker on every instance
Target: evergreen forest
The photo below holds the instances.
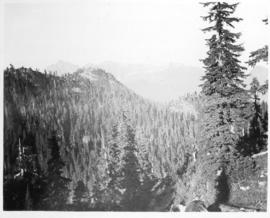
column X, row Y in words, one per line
column 83, row 141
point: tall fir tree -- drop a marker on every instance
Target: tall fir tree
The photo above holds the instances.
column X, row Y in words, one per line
column 257, row 135
column 223, row 85
column 24, row 187
column 130, row 171
column 224, row 74
column 56, row 192
column 114, row 167
column 125, row 156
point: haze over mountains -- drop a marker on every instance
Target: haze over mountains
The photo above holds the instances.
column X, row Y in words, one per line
column 160, row 82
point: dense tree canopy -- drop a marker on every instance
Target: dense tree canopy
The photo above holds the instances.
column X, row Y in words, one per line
column 84, row 141
column 223, row 85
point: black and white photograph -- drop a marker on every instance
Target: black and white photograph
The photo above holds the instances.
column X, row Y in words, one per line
column 134, row 106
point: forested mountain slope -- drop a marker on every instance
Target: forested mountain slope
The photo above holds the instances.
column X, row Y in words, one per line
column 81, row 112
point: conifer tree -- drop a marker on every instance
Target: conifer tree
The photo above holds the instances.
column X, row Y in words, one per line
column 56, row 192
column 256, row 133
column 27, row 180
column 223, row 87
column 259, row 120
column 147, row 178
column 255, row 88
column 130, row 171
column 100, row 194
column 114, row 167
column 223, row 73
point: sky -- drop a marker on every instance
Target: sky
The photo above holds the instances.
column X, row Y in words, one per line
column 39, row 33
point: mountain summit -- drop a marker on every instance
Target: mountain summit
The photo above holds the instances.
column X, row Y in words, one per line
column 161, row 83
column 62, row 67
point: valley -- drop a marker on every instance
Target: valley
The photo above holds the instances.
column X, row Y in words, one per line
column 150, row 108
column 86, row 112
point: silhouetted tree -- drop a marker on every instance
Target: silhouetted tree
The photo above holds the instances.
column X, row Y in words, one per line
column 223, row 85
column 21, row 191
column 130, row 171
column 256, row 132
column 56, row 192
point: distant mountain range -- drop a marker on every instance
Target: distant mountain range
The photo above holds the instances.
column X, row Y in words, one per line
column 160, row 83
